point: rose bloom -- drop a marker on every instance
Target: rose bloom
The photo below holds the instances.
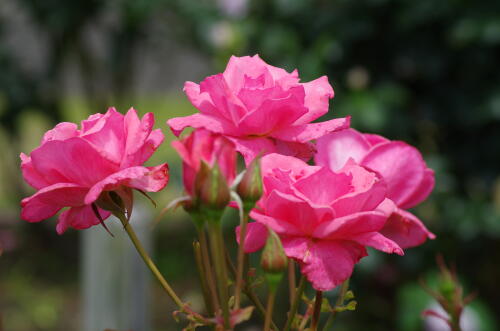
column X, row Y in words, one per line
column 325, row 219
column 72, row 167
column 203, row 145
column 409, row 180
column 261, row 108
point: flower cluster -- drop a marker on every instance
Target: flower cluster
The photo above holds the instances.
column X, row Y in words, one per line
column 318, row 193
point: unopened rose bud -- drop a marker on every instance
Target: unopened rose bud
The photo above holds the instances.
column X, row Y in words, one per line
column 250, row 188
column 274, row 260
column 211, row 189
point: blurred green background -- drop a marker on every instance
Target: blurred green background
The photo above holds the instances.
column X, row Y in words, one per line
column 421, row 71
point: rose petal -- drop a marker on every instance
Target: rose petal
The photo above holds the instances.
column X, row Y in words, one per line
column 30, row 175
column 400, row 165
column 107, row 136
column 318, row 94
column 355, row 223
column 71, row 161
column 62, row 131
column 218, row 125
column 47, row 201
column 336, row 148
column 255, row 238
column 307, row 132
column 79, row 218
column 149, row 179
column 405, row 229
column 377, row 241
column 326, row 264
column 422, row 192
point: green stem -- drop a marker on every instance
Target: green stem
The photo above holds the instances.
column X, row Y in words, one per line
column 203, row 278
column 150, row 264
column 240, row 261
column 247, row 289
column 316, row 311
column 217, row 248
column 295, row 305
column 292, row 283
column 208, row 268
column 340, row 301
column 269, row 311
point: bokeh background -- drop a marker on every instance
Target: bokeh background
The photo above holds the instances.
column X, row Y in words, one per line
column 426, row 72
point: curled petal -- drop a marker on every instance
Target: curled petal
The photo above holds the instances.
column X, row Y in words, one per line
column 306, row 132
column 217, row 125
column 318, row 94
column 147, row 179
column 405, row 229
column 201, row 101
column 377, row 241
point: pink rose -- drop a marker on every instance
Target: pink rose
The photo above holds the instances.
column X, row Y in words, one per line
column 203, row 145
column 324, row 218
column 72, row 166
column 261, row 108
column 409, row 180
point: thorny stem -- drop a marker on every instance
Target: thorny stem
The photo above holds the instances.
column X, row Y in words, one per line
column 150, row 264
column 217, row 248
column 316, row 311
column 295, row 304
column 269, row 311
column 240, row 261
column 340, row 301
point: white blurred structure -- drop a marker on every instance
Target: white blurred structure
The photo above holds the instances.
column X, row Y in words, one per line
column 115, row 281
column 468, row 322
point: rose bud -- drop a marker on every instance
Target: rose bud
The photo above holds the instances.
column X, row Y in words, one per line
column 250, row 188
column 273, row 260
column 211, row 189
